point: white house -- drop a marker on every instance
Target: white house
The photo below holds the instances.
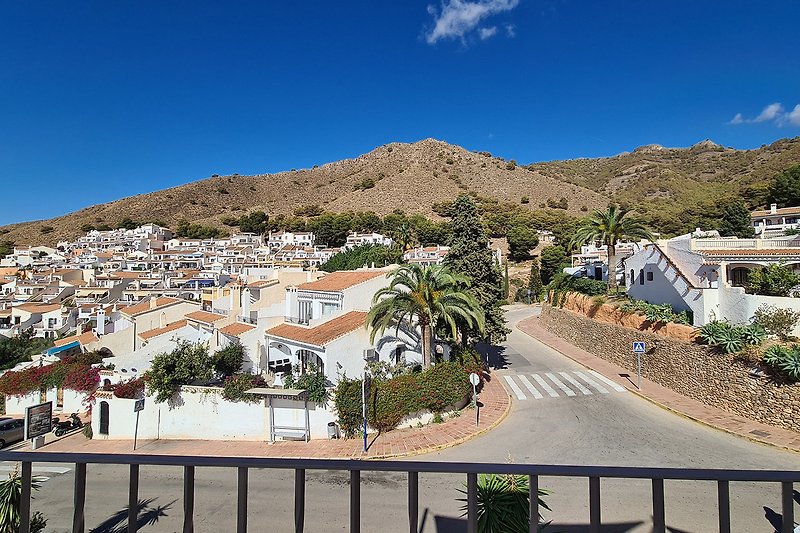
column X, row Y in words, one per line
column 707, row 276
column 774, row 222
column 359, row 239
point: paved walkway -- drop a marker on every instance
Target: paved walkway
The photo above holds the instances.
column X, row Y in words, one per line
column 667, row 398
column 400, row 442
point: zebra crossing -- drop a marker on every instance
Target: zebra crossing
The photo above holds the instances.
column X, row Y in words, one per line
column 560, row 384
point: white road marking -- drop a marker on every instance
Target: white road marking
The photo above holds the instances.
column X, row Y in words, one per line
column 616, row 386
column 530, row 387
column 559, row 384
column 546, row 386
column 575, row 383
column 514, row 387
column 592, row 383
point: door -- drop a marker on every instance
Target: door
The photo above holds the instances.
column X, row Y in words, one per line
column 104, row 418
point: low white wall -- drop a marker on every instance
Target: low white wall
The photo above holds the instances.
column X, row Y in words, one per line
column 202, row 413
column 73, row 402
column 15, row 405
column 738, row 307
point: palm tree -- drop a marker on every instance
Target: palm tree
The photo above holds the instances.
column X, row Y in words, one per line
column 609, row 227
column 424, row 296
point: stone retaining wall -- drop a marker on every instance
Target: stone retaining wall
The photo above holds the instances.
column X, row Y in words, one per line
column 689, row 369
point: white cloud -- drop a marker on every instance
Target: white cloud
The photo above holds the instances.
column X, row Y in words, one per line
column 511, row 30
column 487, row 33
column 771, row 112
column 737, row 119
column 457, row 18
column 793, row 116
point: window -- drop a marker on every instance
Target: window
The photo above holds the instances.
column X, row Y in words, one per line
column 633, row 277
column 650, row 276
column 641, row 276
column 398, row 354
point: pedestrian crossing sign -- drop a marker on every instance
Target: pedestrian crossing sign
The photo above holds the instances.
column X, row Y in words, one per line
column 638, row 347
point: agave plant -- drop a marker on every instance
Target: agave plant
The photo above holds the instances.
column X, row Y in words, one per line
column 775, row 354
column 791, row 364
column 730, row 341
column 752, row 335
column 503, row 503
column 10, row 495
column 713, row 332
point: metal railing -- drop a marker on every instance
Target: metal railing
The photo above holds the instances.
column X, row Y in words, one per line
column 296, row 320
column 412, row 468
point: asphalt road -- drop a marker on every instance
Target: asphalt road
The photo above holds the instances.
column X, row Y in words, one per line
column 598, row 429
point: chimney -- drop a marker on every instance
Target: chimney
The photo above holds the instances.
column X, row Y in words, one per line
column 773, row 209
column 153, row 302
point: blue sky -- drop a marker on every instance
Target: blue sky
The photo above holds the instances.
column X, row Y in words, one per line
column 101, row 100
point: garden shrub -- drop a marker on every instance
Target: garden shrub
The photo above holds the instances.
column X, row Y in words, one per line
column 131, row 389
column 228, row 360
column 312, row 381
column 729, row 338
column 656, row 313
column 347, row 402
column 235, row 387
column 772, row 280
column 776, row 321
column 186, row 364
column 66, row 374
column 784, row 359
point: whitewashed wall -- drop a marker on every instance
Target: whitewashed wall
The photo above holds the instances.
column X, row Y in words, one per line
column 738, row 307
column 202, row 413
column 15, row 405
column 73, row 402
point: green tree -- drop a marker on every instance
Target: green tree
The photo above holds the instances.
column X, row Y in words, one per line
column 471, row 256
column 609, row 227
column 521, row 239
column 6, row 248
column 256, row 222
column 424, row 297
column 20, row 348
column 186, row 364
column 360, row 256
column 228, row 361
column 127, row 223
column 554, row 258
column 784, row 189
column 535, row 285
column 735, row 220
column 772, row 280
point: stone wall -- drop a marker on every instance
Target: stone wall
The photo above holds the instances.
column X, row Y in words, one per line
column 689, row 369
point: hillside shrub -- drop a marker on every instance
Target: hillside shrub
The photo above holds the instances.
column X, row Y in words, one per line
column 776, row 321
column 656, row 313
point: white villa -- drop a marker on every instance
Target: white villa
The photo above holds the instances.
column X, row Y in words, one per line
column 707, row 275
column 774, row 222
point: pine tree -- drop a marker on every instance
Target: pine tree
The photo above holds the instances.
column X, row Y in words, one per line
column 736, row 220
column 535, row 285
column 471, row 256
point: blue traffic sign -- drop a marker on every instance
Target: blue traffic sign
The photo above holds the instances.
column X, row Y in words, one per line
column 639, row 347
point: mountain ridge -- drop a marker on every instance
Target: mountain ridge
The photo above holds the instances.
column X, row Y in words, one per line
column 414, row 176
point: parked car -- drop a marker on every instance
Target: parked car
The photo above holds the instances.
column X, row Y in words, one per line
column 11, row 430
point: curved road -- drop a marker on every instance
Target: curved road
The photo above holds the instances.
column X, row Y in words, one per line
column 599, row 429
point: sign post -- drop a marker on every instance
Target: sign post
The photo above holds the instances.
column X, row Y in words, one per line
column 364, row 389
column 38, row 423
column 475, row 379
column 639, row 348
column 138, row 407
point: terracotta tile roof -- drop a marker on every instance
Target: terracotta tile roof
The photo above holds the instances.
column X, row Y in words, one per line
column 751, row 251
column 339, row 281
column 236, row 329
column 39, row 308
column 205, row 317
column 83, row 339
column 781, row 211
column 144, row 306
column 324, row 333
column 147, row 335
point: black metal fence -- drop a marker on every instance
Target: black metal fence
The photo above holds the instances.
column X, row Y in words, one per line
column 593, row 474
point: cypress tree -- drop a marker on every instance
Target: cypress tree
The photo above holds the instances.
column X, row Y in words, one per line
column 535, row 285
column 471, row 256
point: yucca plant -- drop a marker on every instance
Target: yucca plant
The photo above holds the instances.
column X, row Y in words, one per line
column 752, row 335
column 791, row 363
column 775, row 354
column 10, row 495
column 503, row 501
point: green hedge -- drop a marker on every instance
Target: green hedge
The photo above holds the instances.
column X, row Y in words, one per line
column 393, row 399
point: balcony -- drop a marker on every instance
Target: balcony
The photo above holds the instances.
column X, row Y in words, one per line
column 783, row 481
column 744, row 244
column 296, row 320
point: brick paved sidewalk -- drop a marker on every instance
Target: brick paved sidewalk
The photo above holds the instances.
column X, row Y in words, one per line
column 409, row 441
column 667, row 398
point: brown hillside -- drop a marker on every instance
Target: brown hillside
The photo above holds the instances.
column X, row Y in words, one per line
column 407, row 176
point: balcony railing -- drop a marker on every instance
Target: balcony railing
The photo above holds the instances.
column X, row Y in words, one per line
column 296, row 320
column 745, row 244
column 412, row 468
